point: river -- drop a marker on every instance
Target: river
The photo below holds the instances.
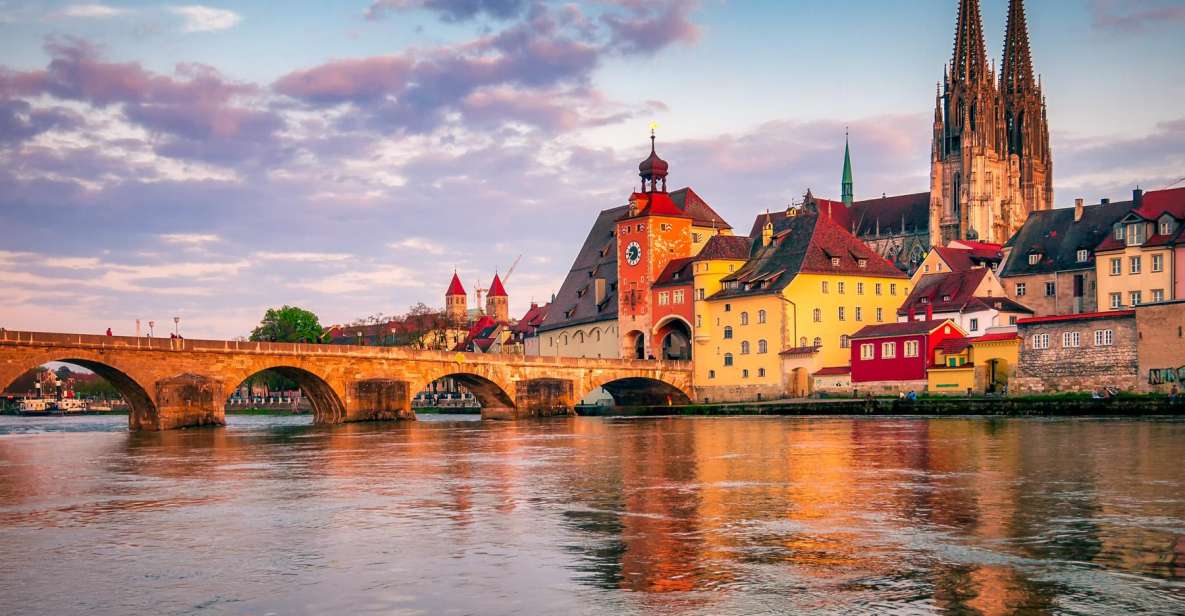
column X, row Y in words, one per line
column 594, row 516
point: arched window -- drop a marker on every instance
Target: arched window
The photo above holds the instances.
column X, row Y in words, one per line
column 818, row 314
column 728, row 359
column 802, row 341
column 762, row 346
column 818, row 341
column 744, row 347
column 744, row 318
column 565, row 339
column 761, row 316
column 578, row 337
column 727, row 332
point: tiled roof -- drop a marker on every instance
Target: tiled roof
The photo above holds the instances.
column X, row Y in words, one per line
column 954, row 345
column 981, row 250
column 656, row 204
column 1085, row 316
column 800, row 350
column 833, row 371
column 908, row 328
column 1157, row 202
column 803, row 243
column 1057, row 238
column 455, row 287
column 1003, row 336
column 677, row 273
column 734, row 247
column 1004, row 304
column 945, row 292
column 496, row 288
column 531, row 321
column 575, row 303
column 891, row 215
column 702, row 215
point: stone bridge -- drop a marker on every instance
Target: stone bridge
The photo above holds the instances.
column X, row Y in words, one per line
column 173, row 383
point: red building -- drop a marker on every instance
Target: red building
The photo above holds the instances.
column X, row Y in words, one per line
column 673, row 312
column 894, row 357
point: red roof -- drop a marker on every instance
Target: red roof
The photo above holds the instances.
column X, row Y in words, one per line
column 944, row 292
column 677, row 272
column 656, row 204
column 908, row 328
column 1086, row 316
column 532, row 319
column 833, row 371
column 1157, row 202
column 802, row 350
column 954, row 345
column 735, row 247
column 496, row 288
column 454, row 287
column 996, row 337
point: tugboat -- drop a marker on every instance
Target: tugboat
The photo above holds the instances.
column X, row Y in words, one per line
column 72, row 405
column 36, row 406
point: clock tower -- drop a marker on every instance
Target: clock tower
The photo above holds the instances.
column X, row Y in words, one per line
column 652, row 233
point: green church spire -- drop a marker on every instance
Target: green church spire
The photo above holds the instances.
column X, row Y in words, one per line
column 846, row 185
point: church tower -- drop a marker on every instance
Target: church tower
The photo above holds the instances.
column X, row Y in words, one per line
column 498, row 301
column 455, row 301
column 1025, row 118
column 845, row 185
column 989, row 160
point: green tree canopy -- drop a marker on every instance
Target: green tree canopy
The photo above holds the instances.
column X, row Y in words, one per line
column 288, row 324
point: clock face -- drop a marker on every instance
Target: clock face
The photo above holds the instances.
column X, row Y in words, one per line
column 633, row 253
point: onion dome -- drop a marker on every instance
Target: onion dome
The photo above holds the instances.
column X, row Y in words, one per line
column 653, row 170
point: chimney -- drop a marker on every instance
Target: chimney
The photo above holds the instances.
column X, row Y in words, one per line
column 910, row 314
column 1138, row 196
column 1078, row 209
column 929, row 312
column 1105, row 201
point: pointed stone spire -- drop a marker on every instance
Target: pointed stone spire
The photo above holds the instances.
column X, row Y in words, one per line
column 969, row 60
column 845, row 188
column 1016, row 78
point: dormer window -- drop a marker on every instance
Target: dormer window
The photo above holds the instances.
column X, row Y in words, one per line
column 1135, row 234
column 925, row 300
column 1118, row 232
column 1083, row 255
column 1166, row 225
column 1034, row 258
column 863, row 263
column 946, row 298
column 834, row 261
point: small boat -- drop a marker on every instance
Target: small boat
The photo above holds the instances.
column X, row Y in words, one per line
column 36, row 406
column 72, row 405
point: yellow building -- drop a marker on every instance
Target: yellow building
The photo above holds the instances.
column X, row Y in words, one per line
column 765, row 324
column 1135, row 264
column 974, row 365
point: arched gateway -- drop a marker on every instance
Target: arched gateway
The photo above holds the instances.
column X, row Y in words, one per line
column 173, row 383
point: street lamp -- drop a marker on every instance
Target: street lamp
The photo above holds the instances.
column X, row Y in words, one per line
column 151, row 325
column 177, row 326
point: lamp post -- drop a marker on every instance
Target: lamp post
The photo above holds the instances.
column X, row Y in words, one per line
column 151, row 327
column 177, row 326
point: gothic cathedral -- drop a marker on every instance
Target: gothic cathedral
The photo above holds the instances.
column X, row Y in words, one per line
column 990, row 160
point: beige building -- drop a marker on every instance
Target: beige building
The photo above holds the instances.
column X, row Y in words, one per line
column 1161, row 346
column 1136, row 263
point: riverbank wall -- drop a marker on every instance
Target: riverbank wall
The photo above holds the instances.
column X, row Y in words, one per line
column 1020, row 406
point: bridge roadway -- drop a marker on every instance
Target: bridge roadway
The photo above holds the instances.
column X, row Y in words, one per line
column 175, row 383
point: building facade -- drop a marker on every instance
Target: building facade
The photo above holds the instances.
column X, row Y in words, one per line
column 1160, row 331
column 1139, row 260
column 1077, row 353
column 894, row 357
column 973, row 298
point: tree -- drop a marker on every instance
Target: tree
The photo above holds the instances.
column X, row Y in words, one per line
column 288, row 324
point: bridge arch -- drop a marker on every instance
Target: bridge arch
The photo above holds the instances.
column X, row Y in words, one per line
column 326, row 402
column 495, row 396
column 142, row 409
column 640, row 391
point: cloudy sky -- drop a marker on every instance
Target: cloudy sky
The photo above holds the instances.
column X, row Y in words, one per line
column 207, row 161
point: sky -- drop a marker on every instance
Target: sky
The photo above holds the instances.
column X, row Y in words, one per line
column 208, row 161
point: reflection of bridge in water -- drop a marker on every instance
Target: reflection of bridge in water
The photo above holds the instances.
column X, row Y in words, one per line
column 173, row 383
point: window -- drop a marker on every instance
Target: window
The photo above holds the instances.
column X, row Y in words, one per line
column 745, row 373
column 727, row 307
column 1020, row 289
column 974, row 325
column 1135, row 234
column 892, row 289
column 1039, row 341
column 1070, row 339
column 839, row 287
column 1050, row 289
column 818, row 342
column 744, row 347
column 664, row 298
column 878, row 288
column 761, row 316
column 1134, row 265
column 1118, row 231
column 727, row 332
column 640, row 227
column 1012, row 319
column 760, row 372
column 1166, row 226
column 744, row 318
column 1116, row 300
column 888, row 350
column 859, row 313
column 802, row 341
column 1034, row 258
column 866, row 351
column 1158, row 263
column 1104, row 337
column 664, row 226
column 824, row 286
column 1135, row 298
column 699, row 294
column 711, row 374
column 1116, row 266
column 696, row 238
column 859, row 288
column 924, row 300
column 699, row 320
column 862, row 263
column 1083, row 255
column 818, row 314
column 728, row 359
column 677, row 297
column 910, row 348
column 842, row 315
column 1157, row 295
column 762, row 346
column 834, row 261
column 845, row 342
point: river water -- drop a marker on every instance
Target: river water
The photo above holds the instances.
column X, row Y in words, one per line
column 594, row 516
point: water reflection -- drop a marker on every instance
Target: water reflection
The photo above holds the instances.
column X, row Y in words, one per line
column 671, row 516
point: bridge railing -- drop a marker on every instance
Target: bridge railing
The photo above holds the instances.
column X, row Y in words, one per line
column 133, row 343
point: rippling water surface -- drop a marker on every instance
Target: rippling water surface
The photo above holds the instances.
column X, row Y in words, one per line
column 594, row 516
